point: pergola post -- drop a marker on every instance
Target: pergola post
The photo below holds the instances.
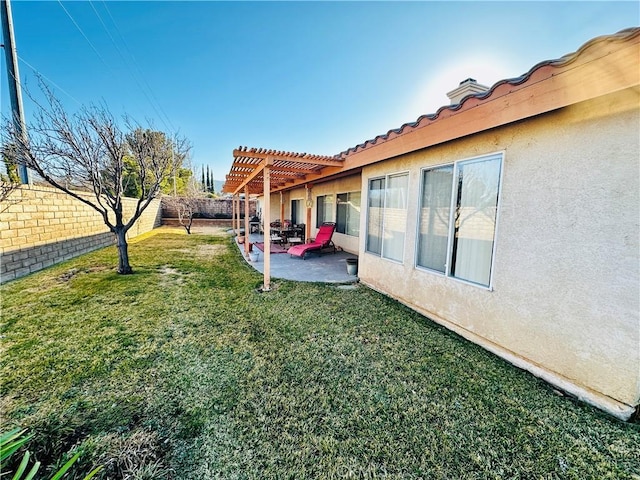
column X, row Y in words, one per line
column 233, row 215
column 281, row 210
column 246, row 220
column 309, row 203
column 238, row 209
column 266, row 174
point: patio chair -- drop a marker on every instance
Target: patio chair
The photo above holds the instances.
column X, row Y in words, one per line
column 321, row 243
column 275, row 238
column 296, row 235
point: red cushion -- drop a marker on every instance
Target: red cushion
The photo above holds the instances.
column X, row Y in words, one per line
column 300, row 250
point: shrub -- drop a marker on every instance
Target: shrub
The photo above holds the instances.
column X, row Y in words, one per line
column 13, row 440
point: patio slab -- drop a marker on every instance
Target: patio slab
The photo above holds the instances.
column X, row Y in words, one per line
column 327, row 268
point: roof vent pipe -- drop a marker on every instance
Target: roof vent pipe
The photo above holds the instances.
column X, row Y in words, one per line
column 467, row 87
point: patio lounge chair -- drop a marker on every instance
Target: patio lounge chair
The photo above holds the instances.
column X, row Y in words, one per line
column 321, row 243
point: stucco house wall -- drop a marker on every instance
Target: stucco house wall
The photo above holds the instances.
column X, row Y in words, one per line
column 565, row 296
column 348, row 243
column 275, row 206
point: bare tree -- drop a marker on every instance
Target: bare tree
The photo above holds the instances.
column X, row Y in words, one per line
column 88, row 156
column 186, row 204
column 8, row 183
column 7, row 187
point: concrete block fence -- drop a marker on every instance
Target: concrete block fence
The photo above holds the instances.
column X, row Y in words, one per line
column 41, row 226
column 210, row 208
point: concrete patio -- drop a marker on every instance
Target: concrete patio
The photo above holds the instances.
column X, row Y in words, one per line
column 326, row 268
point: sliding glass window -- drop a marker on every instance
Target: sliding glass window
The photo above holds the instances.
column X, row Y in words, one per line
column 297, row 212
column 435, row 213
column 375, row 215
column 324, row 209
column 387, row 216
column 348, row 213
column 459, row 205
column 395, row 217
column 475, row 220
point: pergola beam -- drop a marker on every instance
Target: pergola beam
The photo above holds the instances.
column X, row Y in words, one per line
column 288, row 157
column 249, row 177
column 251, row 166
column 286, row 170
column 310, row 178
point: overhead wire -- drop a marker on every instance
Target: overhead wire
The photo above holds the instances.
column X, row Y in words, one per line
column 39, row 73
column 153, row 101
column 163, row 117
column 84, row 35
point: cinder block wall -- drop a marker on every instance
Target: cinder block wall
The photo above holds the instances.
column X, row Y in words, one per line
column 41, row 226
column 210, row 207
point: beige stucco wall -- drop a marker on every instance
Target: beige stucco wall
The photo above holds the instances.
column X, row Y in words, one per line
column 276, row 199
column 348, row 243
column 566, row 286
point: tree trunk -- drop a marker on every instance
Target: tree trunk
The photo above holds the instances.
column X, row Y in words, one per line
column 123, row 252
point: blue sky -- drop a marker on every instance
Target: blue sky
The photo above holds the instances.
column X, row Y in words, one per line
column 315, row 77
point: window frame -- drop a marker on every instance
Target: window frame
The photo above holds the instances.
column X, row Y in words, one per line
column 296, row 202
column 366, row 235
column 452, row 211
column 319, row 221
column 386, row 178
column 348, row 194
column 419, row 214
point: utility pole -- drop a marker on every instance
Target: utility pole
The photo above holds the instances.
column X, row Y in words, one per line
column 13, row 77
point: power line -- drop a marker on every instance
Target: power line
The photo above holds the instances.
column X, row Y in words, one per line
column 158, row 110
column 152, row 101
column 130, row 63
column 85, row 36
column 42, row 75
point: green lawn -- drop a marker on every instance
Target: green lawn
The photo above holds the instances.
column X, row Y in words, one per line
column 184, row 371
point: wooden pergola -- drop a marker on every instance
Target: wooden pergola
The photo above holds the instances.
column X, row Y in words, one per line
column 258, row 171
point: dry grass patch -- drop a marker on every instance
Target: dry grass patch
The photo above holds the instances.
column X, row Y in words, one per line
column 207, row 251
column 134, row 456
column 170, row 276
